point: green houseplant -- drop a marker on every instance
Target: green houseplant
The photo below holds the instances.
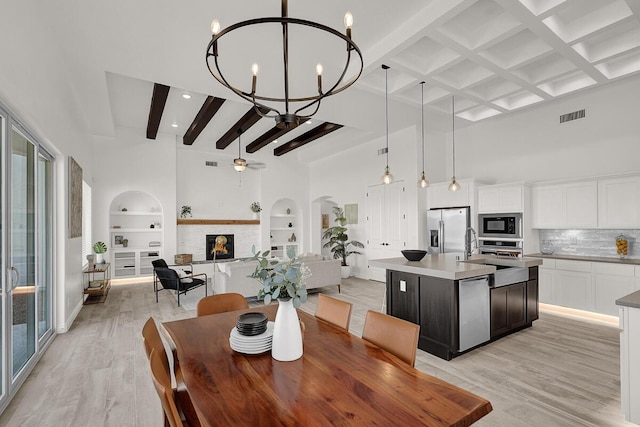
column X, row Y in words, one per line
column 339, row 241
column 185, row 211
column 99, row 248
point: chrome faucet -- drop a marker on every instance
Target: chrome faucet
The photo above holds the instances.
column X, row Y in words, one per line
column 470, row 237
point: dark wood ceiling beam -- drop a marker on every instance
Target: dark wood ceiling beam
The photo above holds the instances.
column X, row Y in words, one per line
column 158, row 101
column 315, row 133
column 209, row 109
column 249, row 119
column 266, row 138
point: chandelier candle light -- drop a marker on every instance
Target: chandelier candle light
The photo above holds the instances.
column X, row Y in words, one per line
column 454, row 186
column 264, row 105
column 423, row 182
column 387, row 178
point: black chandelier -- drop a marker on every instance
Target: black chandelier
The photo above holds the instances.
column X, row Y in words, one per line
column 286, row 119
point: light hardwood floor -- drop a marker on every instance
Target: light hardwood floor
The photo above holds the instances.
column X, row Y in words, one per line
column 561, row 372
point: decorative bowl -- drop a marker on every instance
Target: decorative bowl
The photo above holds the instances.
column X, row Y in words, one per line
column 414, row 254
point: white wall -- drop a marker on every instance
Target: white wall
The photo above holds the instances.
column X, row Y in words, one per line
column 531, row 145
column 346, row 175
column 35, row 86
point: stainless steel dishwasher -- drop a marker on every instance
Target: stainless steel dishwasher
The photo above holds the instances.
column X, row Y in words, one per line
column 473, row 307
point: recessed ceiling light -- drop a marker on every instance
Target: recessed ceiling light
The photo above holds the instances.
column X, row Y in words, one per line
column 186, row 96
column 308, row 122
column 275, row 141
column 174, row 125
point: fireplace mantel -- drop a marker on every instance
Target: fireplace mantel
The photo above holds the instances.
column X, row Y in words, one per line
column 218, row 222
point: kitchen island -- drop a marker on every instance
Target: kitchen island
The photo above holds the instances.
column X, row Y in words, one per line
column 461, row 304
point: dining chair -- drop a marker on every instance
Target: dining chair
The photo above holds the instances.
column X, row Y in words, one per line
column 153, row 344
column 221, row 303
column 394, row 335
column 162, row 383
column 334, row 311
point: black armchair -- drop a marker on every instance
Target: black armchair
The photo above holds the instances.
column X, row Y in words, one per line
column 169, row 279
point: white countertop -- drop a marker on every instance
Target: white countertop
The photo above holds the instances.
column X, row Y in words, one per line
column 446, row 266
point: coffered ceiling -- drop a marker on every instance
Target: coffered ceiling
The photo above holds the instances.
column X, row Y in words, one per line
column 495, row 56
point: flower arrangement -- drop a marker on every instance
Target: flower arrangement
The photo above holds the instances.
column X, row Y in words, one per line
column 99, row 247
column 255, row 207
column 280, row 280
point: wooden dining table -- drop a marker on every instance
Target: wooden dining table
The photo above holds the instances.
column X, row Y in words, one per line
column 340, row 380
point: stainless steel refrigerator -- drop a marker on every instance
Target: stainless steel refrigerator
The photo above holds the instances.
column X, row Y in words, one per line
column 447, row 229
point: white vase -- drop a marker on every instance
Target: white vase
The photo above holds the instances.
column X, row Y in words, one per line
column 99, row 258
column 345, row 271
column 287, row 337
column 256, row 215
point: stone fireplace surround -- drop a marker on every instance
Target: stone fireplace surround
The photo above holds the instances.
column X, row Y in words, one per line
column 191, row 238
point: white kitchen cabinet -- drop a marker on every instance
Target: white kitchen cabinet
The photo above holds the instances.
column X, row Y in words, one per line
column 629, row 368
column 386, row 223
column 612, row 281
column 439, row 196
column 619, row 202
column 501, row 198
column 574, row 289
column 548, row 210
column 572, row 205
column 546, row 279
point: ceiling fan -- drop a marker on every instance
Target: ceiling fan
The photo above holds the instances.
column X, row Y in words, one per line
column 241, row 164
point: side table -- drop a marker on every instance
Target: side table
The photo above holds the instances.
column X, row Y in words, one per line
column 96, row 281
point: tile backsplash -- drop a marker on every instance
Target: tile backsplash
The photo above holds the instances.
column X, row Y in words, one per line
column 590, row 242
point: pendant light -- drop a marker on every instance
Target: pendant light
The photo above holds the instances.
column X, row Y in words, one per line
column 239, row 164
column 454, row 186
column 423, row 182
column 387, row 178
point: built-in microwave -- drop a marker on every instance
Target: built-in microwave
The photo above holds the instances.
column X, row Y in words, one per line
column 500, row 225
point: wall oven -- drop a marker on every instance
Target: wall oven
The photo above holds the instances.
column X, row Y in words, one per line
column 500, row 225
column 500, row 248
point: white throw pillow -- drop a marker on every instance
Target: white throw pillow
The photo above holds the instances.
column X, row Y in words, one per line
column 183, row 276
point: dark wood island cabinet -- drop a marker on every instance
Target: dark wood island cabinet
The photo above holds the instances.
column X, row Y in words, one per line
column 433, row 303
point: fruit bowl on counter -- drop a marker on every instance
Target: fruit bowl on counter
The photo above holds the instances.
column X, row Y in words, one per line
column 414, row 254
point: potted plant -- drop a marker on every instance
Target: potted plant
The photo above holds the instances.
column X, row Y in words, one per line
column 99, row 248
column 185, row 211
column 255, row 208
column 338, row 241
column 284, row 281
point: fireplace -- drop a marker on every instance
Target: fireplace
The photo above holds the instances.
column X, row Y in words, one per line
column 221, row 244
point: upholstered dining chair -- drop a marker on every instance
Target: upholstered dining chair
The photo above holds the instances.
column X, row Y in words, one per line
column 180, row 396
column 394, row 335
column 221, row 303
column 334, row 311
column 180, row 283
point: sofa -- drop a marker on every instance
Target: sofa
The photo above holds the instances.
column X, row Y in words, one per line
column 233, row 276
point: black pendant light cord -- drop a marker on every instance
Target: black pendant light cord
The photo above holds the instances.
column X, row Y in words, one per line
column 422, row 109
column 453, row 131
column 386, row 104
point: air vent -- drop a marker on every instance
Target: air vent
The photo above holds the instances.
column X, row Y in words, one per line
column 382, row 151
column 572, row 116
column 210, row 163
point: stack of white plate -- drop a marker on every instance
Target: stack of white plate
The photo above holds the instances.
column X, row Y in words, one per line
column 253, row 344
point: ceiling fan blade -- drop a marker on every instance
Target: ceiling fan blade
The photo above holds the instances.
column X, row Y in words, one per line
column 256, row 165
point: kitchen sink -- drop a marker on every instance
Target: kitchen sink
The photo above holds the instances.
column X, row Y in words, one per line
column 505, row 275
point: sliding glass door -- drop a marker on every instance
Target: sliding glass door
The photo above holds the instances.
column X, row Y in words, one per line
column 22, row 250
column 26, row 239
